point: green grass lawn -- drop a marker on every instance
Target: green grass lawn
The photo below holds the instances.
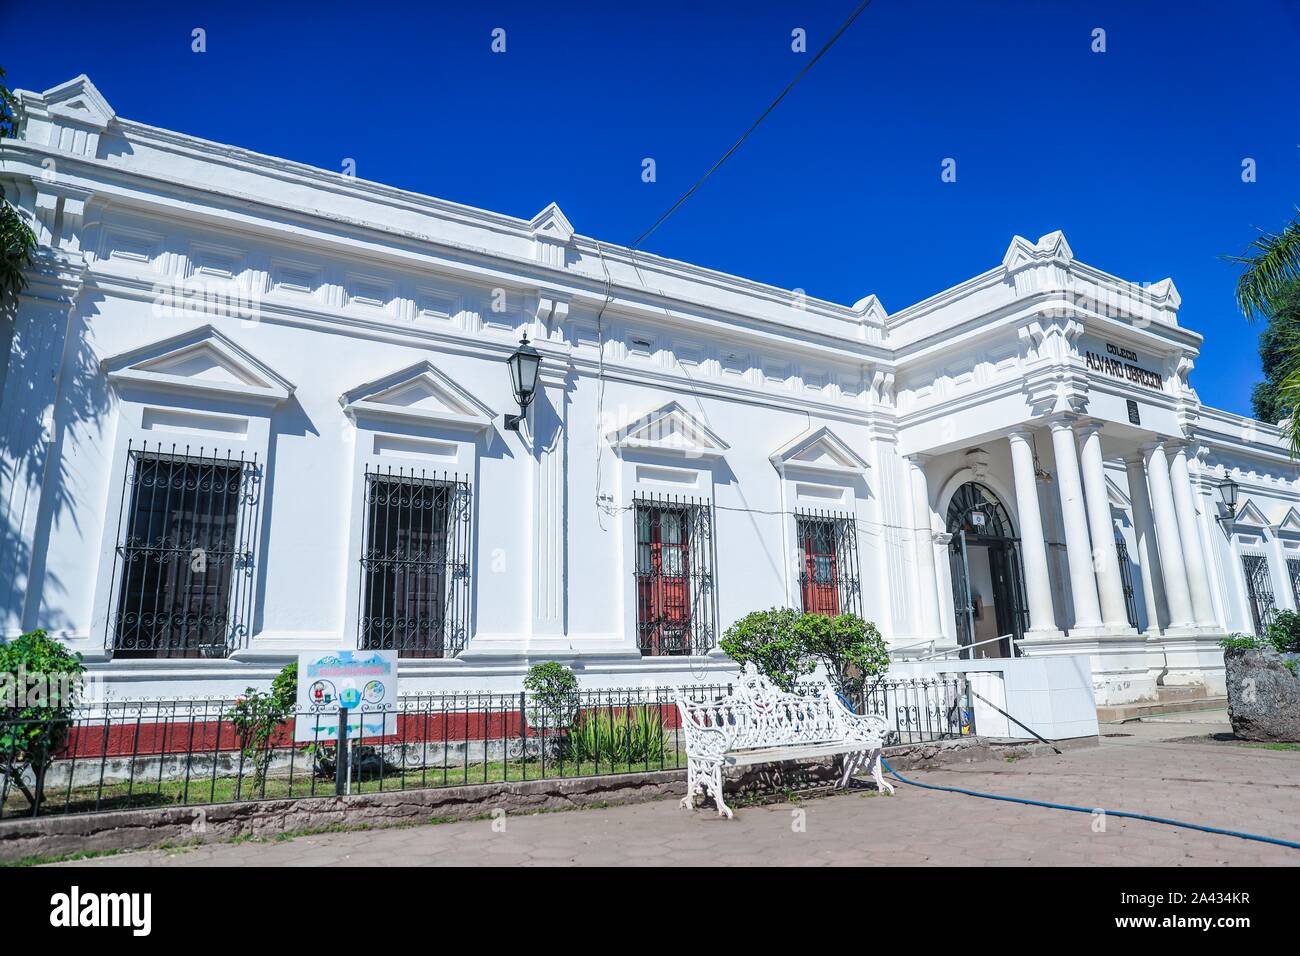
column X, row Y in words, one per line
column 1275, row 746
column 200, row 790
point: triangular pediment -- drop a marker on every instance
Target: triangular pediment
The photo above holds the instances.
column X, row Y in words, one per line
column 670, row 428
column 819, row 450
column 1289, row 523
column 1249, row 515
column 79, row 100
column 420, row 393
column 552, row 223
column 201, row 360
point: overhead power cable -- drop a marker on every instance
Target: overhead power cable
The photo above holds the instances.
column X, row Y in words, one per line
column 745, row 135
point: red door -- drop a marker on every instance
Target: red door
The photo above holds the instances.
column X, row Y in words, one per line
column 663, row 581
column 821, row 593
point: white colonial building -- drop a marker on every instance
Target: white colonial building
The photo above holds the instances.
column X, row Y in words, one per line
column 253, row 408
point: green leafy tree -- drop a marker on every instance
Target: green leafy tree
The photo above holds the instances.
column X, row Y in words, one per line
column 1277, row 345
column 40, row 683
column 554, row 690
column 1284, row 632
column 16, row 238
column 774, row 641
column 257, row 718
column 851, row 650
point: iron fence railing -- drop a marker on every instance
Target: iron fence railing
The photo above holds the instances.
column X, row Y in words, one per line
column 131, row 754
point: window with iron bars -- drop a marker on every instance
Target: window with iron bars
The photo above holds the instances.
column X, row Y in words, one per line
column 1259, row 587
column 675, row 597
column 415, row 567
column 1293, row 571
column 828, row 563
column 182, row 581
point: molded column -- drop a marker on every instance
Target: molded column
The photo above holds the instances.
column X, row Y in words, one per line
column 926, row 581
column 1078, row 548
column 1105, row 556
column 1171, row 545
column 1033, row 546
column 1198, row 578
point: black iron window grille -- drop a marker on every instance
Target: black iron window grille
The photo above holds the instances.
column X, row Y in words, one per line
column 1259, row 586
column 675, row 596
column 182, row 568
column 1126, row 579
column 1293, row 570
column 828, row 563
column 415, row 564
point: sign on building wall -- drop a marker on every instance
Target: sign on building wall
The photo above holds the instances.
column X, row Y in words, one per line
column 365, row 682
column 1121, row 363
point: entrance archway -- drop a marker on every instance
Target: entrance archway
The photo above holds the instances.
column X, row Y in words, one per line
column 988, row 589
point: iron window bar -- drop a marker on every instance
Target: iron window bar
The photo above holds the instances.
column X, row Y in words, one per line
column 414, row 594
column 1259, row 585
column 1293, row 571
column 674, row 576
column 182, row 567
column 829, row 581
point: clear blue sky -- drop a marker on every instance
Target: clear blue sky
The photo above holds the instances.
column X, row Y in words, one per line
column 1135, row 153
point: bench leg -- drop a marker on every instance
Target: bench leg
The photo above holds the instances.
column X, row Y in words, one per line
column 715, row 787
column 704, row 777
column 688, row 801
column 852, row 764
column 883, row 785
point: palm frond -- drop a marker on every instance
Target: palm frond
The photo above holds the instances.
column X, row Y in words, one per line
column 1273, row 260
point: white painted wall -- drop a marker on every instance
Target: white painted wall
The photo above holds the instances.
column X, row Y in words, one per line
column 307, row 286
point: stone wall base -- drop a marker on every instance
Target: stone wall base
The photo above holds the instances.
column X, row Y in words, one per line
column 53, row 836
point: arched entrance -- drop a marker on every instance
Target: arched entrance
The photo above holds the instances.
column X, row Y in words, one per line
column 988, row 589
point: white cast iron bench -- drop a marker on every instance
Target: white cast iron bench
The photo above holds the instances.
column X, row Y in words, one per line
column 760, row 723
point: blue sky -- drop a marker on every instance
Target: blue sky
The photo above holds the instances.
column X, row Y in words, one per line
column 1135, row 153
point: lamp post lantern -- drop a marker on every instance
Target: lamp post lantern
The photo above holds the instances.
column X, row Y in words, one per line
column 523, row 365
column 1228, row 490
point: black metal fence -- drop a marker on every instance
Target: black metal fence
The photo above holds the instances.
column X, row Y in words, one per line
column 192, row 753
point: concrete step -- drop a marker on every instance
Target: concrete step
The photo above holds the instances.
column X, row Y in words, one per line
column 1155, row 708
column 1175, row 694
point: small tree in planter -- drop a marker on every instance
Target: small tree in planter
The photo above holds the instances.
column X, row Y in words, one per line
column 553, row 689
column 257, row 717
column 40, row 681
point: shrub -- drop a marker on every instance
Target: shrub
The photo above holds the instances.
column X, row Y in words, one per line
column 774, row 642
column 850, row 649
column 554, row 690
column 257, row 717
column 786, row 645
column 40, row 681
column 1284, row 632
column 624, row 736
column 1242, row 642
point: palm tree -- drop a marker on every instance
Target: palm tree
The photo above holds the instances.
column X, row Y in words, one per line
column 1272, row 270
column 1273, row 263
column 16, row 238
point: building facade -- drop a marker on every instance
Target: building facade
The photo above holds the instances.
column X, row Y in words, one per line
column 253, row 408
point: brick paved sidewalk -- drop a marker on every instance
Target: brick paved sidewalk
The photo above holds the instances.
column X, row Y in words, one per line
column 1227, row 786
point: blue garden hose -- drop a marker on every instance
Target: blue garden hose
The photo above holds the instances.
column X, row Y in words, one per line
column 1110, row 813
